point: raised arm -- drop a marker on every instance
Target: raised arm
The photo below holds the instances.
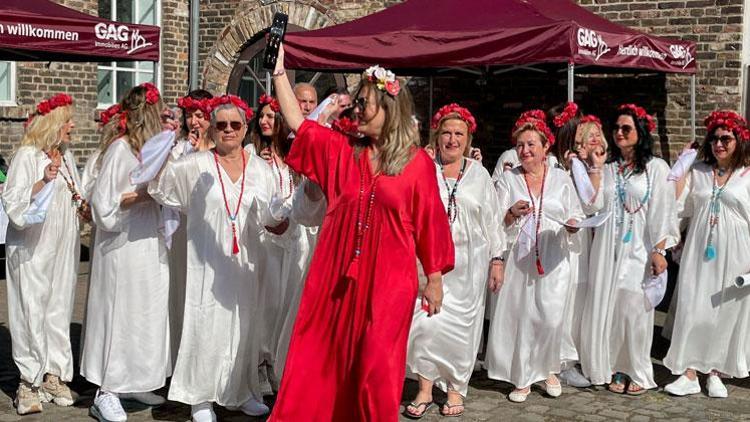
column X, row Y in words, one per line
column 284, row 93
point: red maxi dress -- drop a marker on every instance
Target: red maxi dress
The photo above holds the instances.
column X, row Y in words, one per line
column 347, row 355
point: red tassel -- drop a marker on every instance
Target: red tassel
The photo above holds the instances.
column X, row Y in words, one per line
column 235, row 245
column 539, row 267
column 353, row 270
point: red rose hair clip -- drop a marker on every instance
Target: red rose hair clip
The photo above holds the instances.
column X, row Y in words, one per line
column 454, row 110
column 530, row 118
column 640, row 112
column 590, row 118
column 234, row 100
column 152, row 93
column 269, row 100
column 44, row 107
column 189, row 103
column 347, row 126
column 570, row 111
column 384, row 79
column 731, row 121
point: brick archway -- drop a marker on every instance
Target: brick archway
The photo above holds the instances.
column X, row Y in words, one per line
column 248, row 23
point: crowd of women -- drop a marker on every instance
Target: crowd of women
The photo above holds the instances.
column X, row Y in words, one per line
column 203, row 267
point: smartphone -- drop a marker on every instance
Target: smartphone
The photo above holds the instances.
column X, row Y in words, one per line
column 275, row 37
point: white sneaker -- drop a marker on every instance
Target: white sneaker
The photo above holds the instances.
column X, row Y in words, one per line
column 203, row 412
column 574, row 378
column 107, row 407
column 147, row 398
column 683, row 386
column 518, row 395
column 716, row 388
column 252, row 407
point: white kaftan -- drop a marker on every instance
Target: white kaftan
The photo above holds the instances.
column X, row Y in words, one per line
column 617, row 325
column 712, row 319
column 41, row 267
column 510, row 157
column 126, row 348
column 218, row 349
column 526, row 328
column 443, row 348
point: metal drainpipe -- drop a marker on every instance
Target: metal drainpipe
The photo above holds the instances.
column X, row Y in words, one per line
column 193, row 44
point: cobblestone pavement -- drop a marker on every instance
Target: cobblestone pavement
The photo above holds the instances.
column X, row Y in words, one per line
column 486, row 400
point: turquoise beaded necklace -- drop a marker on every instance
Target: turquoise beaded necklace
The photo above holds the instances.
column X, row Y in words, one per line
column 714, row 207
column 624, row 172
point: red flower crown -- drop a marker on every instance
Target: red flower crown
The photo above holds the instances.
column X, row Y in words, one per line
column 384, row 79
column 570, row 111
column 44, row 107
column 454, row 109
column 189, row 103
column 269, row 100
column 590, row 118
column 731, row 121
column 152, row 92
column 531, row 117
column 234, row 100
column 107, row 115
column 640, row 112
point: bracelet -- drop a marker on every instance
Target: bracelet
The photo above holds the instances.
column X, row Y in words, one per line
column 497, row 260
column 278, row 73
column 662, row 252
column 594, row 170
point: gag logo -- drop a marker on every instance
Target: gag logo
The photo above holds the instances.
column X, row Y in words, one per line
column 123, row 34
column 590, row 39
column 681, row 52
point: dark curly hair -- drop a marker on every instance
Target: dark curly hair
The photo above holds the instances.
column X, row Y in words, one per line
column 643, row 149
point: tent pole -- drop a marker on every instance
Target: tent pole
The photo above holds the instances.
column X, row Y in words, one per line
column 195, row 10
column 429, row 116
column 571, row 81
column 692, row 105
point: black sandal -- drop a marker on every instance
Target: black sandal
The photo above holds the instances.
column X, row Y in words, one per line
column 412, row 415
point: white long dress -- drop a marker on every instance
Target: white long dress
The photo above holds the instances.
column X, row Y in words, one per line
column 443, row 348
column 41, row 267
column 526, row 328
column 617, row 325
column 711, row 326
column 305, row 219
column 126, row 349
column 218, row 349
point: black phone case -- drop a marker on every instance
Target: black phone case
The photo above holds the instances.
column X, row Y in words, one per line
column 275, row 36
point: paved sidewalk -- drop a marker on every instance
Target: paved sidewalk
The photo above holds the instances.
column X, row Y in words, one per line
column 486, row 401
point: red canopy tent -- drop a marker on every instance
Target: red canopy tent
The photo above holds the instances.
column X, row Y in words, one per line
column 46, row 31
column 420, row 34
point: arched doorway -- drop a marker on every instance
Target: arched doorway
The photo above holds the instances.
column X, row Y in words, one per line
column 248, row 79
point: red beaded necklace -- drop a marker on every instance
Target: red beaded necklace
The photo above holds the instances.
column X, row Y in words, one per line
column 277, row 168
column 537, row 213
column 232, row 217
column 364, row 216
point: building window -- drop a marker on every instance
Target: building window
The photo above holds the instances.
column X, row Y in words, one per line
column 116, row 78
column 7, row 83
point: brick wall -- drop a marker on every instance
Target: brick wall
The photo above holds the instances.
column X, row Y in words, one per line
column 226, row 25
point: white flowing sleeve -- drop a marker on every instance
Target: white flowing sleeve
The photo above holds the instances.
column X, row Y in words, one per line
column 152, row 157
column 502, row 188
column 173, row 186
column 88, row 177
column 492, row 217
column 305, row 211
column 661, row 216
column 112, row 182
column 23, row 208
column 598, row 203
column 573, row 206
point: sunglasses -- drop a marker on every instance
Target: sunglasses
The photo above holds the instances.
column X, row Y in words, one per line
column 360, row 103
column 724, row 139
column 626, row 129
column 222, row 125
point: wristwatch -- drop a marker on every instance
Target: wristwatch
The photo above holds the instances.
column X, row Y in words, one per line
column 663, row 252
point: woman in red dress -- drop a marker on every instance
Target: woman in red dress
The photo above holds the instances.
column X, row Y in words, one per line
column 347, row 356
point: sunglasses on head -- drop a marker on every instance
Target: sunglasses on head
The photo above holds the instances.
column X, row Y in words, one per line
column 626, row 129
column 222, row 125
column 724, row 139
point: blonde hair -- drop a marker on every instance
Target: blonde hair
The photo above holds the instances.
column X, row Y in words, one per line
column 399, row 136
column 528, row 126
column 44, row 130
column 582, row 134
column 435, row 133
column 143, row 120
